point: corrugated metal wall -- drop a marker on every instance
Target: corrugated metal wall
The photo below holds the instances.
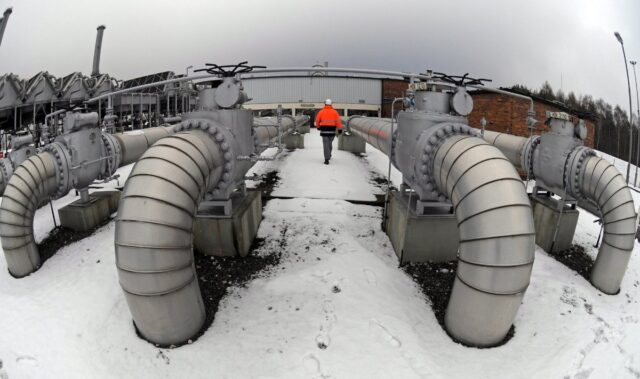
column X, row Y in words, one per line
column 313, row 90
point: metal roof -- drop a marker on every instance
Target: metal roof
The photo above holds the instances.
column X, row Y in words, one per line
column 313, row 89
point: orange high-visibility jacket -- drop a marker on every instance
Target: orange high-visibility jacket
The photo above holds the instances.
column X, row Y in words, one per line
column 328, row 117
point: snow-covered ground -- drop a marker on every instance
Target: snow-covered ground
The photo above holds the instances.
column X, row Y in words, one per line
column 338, row 284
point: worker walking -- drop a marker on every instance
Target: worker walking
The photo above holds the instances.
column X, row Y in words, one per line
column 328, row 122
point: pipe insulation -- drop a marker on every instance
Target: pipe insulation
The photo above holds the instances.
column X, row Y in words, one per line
column 265, row 129
column 604, row 185
column 154, row 249
column 601, row 184
column 154, row 253
column 51, row 174
column 495, row 222
column 33, row 183
column 376, row 132
column 497, row 238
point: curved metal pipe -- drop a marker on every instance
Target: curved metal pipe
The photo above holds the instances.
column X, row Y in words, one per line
column 497, row 238
column 604, row 185
column 600, row 183
column 33, row 182
column 41, row 177
column 154, row 248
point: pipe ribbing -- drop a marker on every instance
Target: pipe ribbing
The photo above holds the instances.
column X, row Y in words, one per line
column 603, row 184
column 154, row 248
column 33, row 182
column 497, row 238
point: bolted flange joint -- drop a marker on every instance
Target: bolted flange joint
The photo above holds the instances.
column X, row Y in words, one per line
column 62, row 157
column 430, row 140
column 222, row 137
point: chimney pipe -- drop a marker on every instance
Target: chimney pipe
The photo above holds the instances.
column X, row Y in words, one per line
column 96, row 53
column 3, row 22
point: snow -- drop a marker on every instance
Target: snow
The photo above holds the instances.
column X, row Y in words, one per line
column 70, row 319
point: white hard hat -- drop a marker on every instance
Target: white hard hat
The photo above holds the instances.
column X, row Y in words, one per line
column 328, row 102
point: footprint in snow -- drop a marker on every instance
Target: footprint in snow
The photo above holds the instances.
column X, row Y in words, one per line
column 27, row 360
column 384, row 333
column 312, row 366
column 371, row 277
column 323, row 339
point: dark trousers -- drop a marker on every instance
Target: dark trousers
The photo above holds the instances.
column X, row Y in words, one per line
column 327, row 142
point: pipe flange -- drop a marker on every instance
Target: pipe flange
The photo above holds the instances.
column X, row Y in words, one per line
column 6, row 171
column 61, row 156
column 220, row 138
column 574, row 165
column 527, row 163
column 434, row 137
column 112, row 148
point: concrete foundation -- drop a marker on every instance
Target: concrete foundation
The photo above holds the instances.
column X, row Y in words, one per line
column 415, row 238
column 351, row 143
column 294, row 141
column 304, row 129
column 228, row 236
column 546, row 213
column 80, row 216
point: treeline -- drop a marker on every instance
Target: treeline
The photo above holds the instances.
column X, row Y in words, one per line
column 612, row 123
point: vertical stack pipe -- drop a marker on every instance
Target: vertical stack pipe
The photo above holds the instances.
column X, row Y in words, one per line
column 3, row 22
column 497, row 238
column 40, row 178
column 97, row 51
column 600, row 183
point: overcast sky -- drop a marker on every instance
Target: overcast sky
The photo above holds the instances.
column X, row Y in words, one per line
column 511, row 41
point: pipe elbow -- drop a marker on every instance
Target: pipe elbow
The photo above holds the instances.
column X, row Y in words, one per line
column 154, row 248
column 32, row 183
column 602, row 184
column 497, row 238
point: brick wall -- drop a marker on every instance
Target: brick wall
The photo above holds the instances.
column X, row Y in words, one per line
column 508, row 115
column 390, row 90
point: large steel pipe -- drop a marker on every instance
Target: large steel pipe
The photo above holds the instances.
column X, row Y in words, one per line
column 497, row 238
column 603, row 184
column 600, row 183
column 3, row 22
column 45, row 176
column 376, row 131
column 513, row 147
column 33, row 182
column 265, row 129
column 97, row 51
column 154, row 248
column 133, row 145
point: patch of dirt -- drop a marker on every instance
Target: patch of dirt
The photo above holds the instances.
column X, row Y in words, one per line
column 576, row 259
column 436, row 282
column 268, row 182
column 61, row 236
